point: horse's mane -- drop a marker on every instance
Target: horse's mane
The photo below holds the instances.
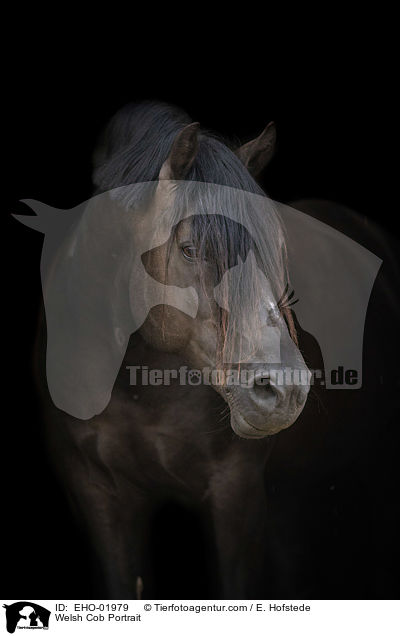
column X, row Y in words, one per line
column 138, row 139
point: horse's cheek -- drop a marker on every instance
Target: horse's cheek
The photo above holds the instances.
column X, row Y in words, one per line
column 167, row 329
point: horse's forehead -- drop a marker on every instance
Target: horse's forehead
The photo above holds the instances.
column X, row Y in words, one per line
column 184, row 229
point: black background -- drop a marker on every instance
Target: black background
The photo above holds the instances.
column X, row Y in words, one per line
column 333, row 112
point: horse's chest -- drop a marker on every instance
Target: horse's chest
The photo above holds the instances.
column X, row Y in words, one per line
column 176, row 442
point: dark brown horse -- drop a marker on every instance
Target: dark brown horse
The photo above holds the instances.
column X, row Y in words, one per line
column 124, row 445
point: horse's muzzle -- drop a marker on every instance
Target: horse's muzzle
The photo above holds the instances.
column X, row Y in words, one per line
column 270, row 403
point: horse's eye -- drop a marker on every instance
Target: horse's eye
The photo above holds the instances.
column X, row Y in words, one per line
column 189, row 251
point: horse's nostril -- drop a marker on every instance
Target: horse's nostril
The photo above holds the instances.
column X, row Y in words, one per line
column 262, row 379
column 264, row 394
column 266, row 390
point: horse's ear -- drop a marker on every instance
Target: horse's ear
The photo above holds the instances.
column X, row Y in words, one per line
column 182, row 155
column 257, row 154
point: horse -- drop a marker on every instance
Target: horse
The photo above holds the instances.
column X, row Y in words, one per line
column 123, row 445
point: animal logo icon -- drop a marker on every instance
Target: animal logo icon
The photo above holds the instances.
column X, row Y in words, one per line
column 97, row 291
column 25, row 614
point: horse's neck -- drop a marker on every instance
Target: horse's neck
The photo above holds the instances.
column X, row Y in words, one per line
column 135, row 382
column 140, row 353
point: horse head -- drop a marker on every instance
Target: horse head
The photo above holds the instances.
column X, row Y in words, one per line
column 228, row 246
